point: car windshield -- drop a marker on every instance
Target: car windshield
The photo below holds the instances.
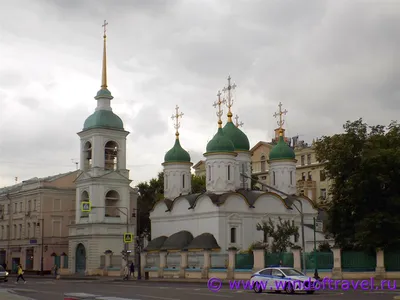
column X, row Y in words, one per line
column 291, row 272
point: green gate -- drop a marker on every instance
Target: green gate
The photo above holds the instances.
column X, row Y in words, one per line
column 273, row 259
column 244, row 261
column 353, row 261
column 65, row 266
column 57, row 261
column 324, row 260
column 392, row 261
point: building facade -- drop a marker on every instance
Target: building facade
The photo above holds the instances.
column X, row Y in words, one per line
column 34, row 219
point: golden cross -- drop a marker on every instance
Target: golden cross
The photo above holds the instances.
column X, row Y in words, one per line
column 229, row 102
column 176, row 116
column 105, row 27
column 280, row 113
column 219, row 109
column 238, row 124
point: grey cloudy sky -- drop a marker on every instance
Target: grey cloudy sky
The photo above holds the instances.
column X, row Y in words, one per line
column 326, row 61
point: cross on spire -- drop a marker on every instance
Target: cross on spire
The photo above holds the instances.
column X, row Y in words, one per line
column 219, row 109
column 177, row 124
column 280, row 113
column 238, row 124
column 229, row 99
column 105, row 28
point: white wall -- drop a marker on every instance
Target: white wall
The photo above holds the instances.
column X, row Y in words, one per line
column 173, row 180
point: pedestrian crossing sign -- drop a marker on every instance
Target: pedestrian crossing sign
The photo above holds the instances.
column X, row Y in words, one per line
column 86, row 206
column 128, row 238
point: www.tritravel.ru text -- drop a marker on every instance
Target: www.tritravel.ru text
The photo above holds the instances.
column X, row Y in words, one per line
column 215, row 284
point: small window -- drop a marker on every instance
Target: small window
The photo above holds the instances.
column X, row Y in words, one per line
column 309, row 176
column 302, row 160
column 273, row 178
column 166, row 182
column 263, row 164
column 34, row 205
column 229, row 172
column 209, row 173
column 183, row 181
column 291, row 177
column 233, row 235
column 322, row 175
column 303, row 176
column 29, row 205
column 323, row 194
column 308, row 159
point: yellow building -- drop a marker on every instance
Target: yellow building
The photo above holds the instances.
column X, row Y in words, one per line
column 34, row 219
column 200, row 168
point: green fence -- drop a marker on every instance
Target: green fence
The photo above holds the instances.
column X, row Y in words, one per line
column 65, row 262
column 324, row 260
column 244, row 261
column 273, row 259
column 392, row 261
column 354, row 261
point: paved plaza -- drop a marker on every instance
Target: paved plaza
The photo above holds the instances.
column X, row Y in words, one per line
column 47, row 289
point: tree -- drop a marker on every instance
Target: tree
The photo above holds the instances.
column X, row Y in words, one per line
column 363, row 166
column 198, row 184
column 281, row 234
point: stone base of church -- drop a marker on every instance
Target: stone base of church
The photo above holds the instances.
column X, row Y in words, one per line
column 337, row 273
column 380, row 273
column 88, row 244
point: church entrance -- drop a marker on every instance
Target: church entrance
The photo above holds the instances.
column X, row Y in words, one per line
column 80, row 259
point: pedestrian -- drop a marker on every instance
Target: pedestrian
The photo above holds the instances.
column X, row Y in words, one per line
column 281, row 263
column 55, row 270
column 132, row 270
column 20, row 274
column 126, row 272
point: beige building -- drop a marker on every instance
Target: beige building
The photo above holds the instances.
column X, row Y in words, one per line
column 34, row 219
column 200, row 168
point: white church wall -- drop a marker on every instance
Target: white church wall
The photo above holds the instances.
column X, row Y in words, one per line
column 271, row 204
column 285, row 176
column 243, row 162
column 174, row 184
column 218, row 179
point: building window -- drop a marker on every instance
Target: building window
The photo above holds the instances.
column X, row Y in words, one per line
column 15, row 208
column 56, row 228
column 183, row 181
column 291, row 177
column 323, row 194
column 263, row 164
column 303, row 176
column 302, row 160
column 273, row 178
column 229, row 172
column 20, row 207
column 8, row 232
column 302, row 193
column 2, row 232
column 20, row 231
column 233, row 235
column 209, row 173
column 309, row 176
column 308, row 159
column 87, row 154
column 322, row 175
column 110, row 156
column 166, row 181
column 29, row 205
column 28, row 233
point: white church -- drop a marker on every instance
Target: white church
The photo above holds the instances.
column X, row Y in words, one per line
column 227, row 213
column 104, row 181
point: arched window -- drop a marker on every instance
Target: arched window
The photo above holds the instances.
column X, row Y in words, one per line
column 209, row 173
column 291, row 177
column 112, row 201
column 233, row 235
column 229, row 172
column 84, row 198
column 110, row 156
column 263, row 164
column 87, row 154
column 273, row 178
column 166, row 181
column 28, row 233
column 183, row 181
column 309, row 176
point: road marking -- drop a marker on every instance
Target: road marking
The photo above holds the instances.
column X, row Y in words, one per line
column 163, row 287
column 211, row 294
column 154, row 297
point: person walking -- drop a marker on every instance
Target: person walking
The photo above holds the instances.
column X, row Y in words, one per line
column 20, row 274
column 55, row 270
column 132, row 270
column 126, row 273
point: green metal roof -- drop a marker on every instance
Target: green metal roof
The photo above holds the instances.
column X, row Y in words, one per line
column 103, row 119
column 177, row 154
column 220, row 143
column 281, row 151
column 237, row 137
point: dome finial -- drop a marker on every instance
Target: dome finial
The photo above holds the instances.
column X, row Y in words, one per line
column 280, row 122
column 237, row 123
column 177, row 124
column 104, row 70
column 219, row 109
column 229, row 100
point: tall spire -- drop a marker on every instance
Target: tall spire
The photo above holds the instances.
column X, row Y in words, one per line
column 280, row 122
column 229, row 99
column 177, row 124
column 219, row 109
column 104, row 70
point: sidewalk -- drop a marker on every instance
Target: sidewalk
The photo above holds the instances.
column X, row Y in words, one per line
column 7, row 295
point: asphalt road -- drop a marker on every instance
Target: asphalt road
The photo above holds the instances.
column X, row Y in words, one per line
column 44, row 289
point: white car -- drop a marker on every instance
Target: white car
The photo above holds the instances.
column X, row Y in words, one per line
column 282, row 279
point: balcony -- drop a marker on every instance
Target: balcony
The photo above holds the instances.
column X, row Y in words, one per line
column 306, row 184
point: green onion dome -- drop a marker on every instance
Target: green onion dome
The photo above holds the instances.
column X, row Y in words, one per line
column 177, row 154
column 237, row 137
column 281, row 151
column 220, row 143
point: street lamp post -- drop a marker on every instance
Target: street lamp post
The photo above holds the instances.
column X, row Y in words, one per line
column 316, row 276
column 138, row 243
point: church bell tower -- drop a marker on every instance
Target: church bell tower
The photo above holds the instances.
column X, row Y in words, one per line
column 104, row 182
